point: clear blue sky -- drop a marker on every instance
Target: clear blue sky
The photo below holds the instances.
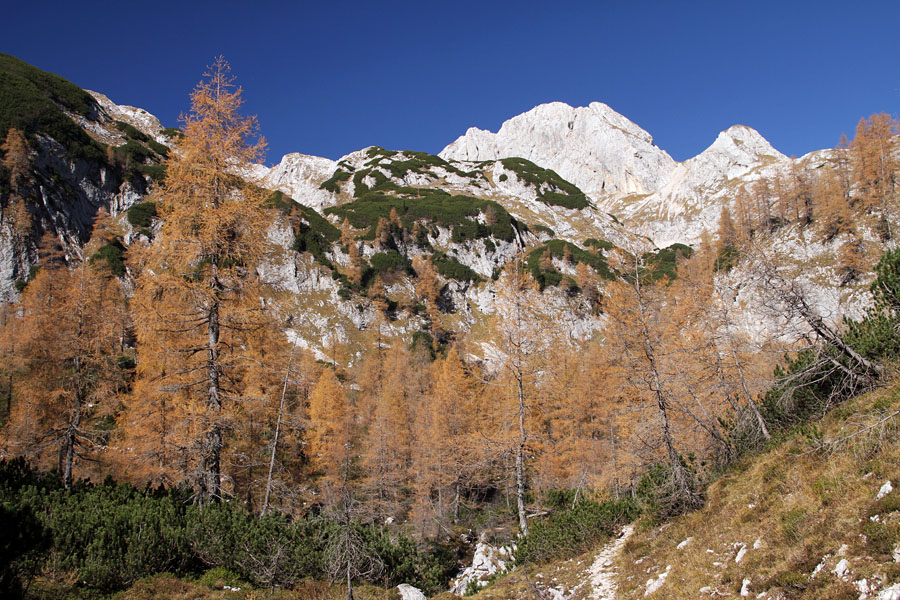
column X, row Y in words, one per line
column 327, row 78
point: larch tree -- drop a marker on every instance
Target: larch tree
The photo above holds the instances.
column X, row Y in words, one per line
column 638, row 334
column 874, row 167
column 525, row 340
column 70, row 372
column 200, row 300
column 387, row 448
column 329, row 429
column 17, row 160
column 445, row 450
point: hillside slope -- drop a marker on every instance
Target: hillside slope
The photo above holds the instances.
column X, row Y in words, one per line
column 813, row 517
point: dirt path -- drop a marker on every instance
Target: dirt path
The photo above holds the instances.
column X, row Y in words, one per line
column 603, row 571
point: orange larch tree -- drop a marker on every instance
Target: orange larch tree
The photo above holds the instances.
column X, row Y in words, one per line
column 200, row 300
column 70, row 369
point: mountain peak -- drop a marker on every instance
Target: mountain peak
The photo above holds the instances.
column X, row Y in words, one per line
column 741, row 141
column 594, row 147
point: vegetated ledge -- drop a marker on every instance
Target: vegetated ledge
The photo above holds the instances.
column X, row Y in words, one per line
column 568, row 194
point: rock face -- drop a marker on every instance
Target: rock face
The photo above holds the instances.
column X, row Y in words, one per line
column 67, row 190
column 691, row 199
column 137, row 117
column 299, row 176
column 487, row 561
column 616, row 163
column 594, row 147
column 627, row 193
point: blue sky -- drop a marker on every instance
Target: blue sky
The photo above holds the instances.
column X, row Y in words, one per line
column 327, row 78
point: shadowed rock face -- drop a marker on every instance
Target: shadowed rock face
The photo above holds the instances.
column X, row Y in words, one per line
column 70, row 192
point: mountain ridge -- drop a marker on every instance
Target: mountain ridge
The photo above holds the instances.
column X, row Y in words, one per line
column 546, row 206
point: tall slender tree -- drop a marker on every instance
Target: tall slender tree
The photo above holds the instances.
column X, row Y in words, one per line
column 526, row 341
column 200, row 300
column 640, row 328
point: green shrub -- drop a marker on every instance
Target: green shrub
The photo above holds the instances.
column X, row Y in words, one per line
column 333, row 183
column 563, row 193
column 538, row 228
column 155, row 172
column 112, row 254
column 664, row 263
column 315, row 234
column 876, row 336
column 455, row 212
column 727, row 258
column 4, row 179
column 172, row 133
column 391, row 260
column 575, row 530
column 23, row 544
column 133, row 151
column 111, row 535
column 132, row 131
column 268, row 551
column 451, row 268
column 141, row 214
column 379, row 151
column 30, row 100
column 599, row 244
column 160, row 149
column 557, row 249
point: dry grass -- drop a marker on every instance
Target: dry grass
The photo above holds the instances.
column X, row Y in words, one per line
column 789, row 507
column 534, row 582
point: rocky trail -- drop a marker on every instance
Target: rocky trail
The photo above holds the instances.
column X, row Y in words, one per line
column 603, row 570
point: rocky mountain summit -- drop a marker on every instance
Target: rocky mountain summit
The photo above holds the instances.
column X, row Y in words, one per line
column 619, row 167
column 594, row 147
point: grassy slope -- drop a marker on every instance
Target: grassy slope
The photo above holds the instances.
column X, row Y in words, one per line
column 800, row 504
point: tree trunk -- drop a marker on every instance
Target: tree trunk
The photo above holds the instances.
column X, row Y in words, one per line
column 520, row 458
column 69, row 449
column 683, row 495
column 265, row 506
column 750, row 402
column 212, row 476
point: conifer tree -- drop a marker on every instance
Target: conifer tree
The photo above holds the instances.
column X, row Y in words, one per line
column 638, row 335
column 69, row 326
column 200, row 299
column 837, row 216
column 446, row 446
column 387, row 448
column 17, row 159
column 329, row 432
column 525, row 341
column 875, row 166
